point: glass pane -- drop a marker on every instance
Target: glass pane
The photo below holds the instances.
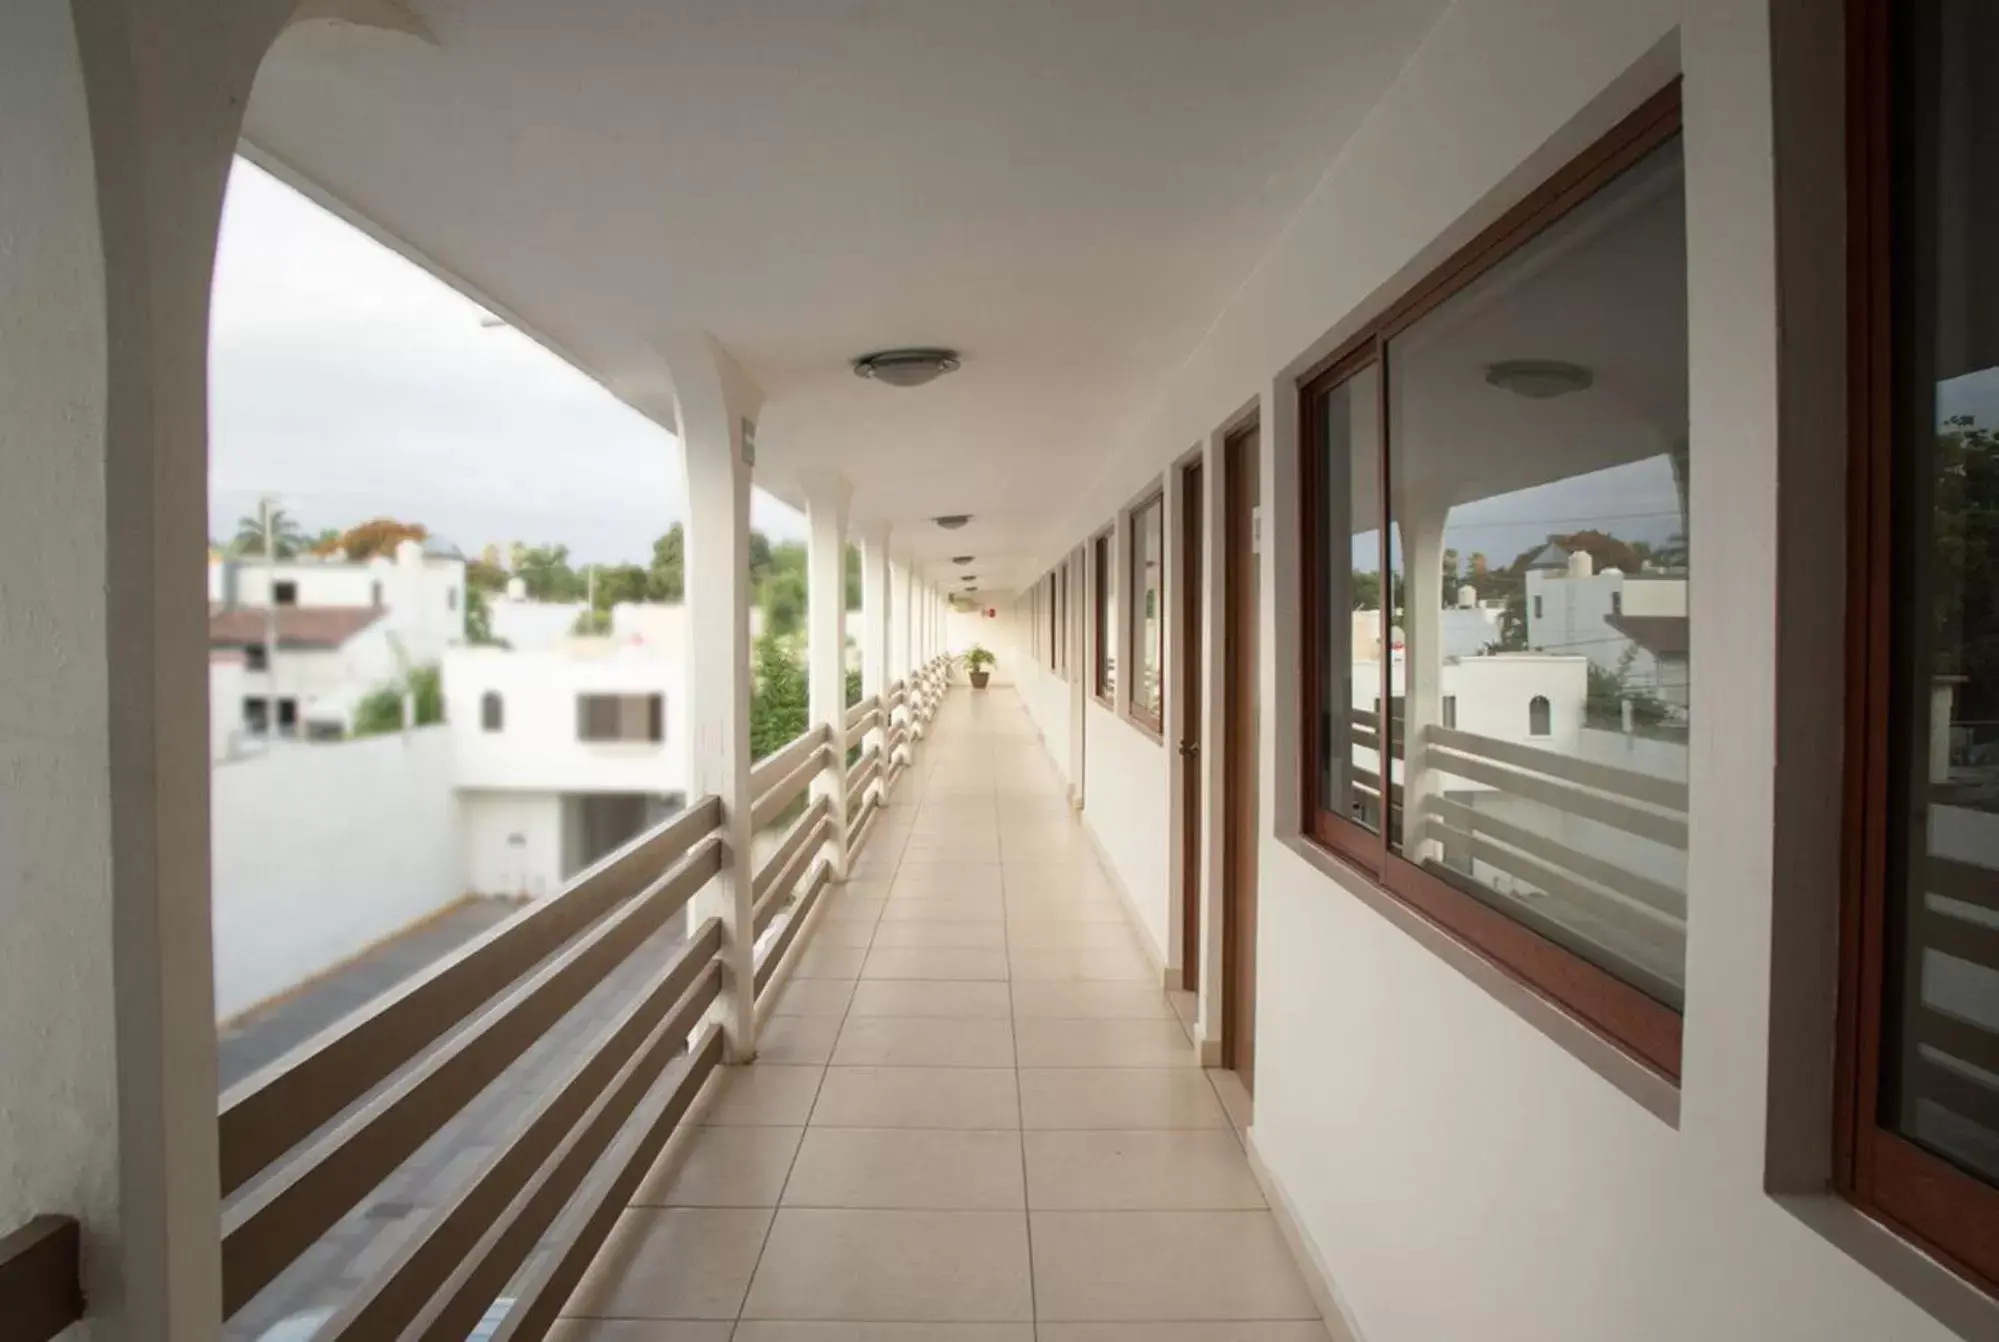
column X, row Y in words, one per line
column 1940, row 1086
column 1538, row 469
column 1107, row 625
column 1349, row 559
column 1148, row 563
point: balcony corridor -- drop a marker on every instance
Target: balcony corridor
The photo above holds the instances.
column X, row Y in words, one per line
column 976, row 1117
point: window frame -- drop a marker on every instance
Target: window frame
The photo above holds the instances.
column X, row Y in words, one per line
column 1133, row 635
column 1103, row 575
column 1645, row 1029
column 1920, row 1196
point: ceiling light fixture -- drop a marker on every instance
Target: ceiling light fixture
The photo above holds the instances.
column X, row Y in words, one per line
column 952, row 521
column 907, row 367
column 962, row 559
column 1539, row 379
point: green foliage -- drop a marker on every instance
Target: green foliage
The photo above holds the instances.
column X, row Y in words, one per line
column 1964, row 563
column 854, row 592
column 978, row 658
column 483, row 577
column 784, row 603
column 779, row 696
column 853, row 688
column 544, row 570
column 1603, row 702
column 591, row 623
column 479, row 619
column 618, row 583
column 287, row 537
column 667, row 577
column 382, row 711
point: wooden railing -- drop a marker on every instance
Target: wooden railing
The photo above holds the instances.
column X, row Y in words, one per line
column 301, row 1153
column 41, row 1290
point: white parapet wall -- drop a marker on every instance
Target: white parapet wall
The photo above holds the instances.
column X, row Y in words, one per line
column 322, row 850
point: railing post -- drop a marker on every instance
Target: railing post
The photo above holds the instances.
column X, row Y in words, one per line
column 826, row 601
column 714, row 405
column 875, row 632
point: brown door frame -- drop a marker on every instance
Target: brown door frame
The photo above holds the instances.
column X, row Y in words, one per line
column 1192, row 733
column 1242, row 473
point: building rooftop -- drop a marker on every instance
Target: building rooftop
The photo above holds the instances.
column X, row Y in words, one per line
column 298, row 626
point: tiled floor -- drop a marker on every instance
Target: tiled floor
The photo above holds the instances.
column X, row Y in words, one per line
column 976, row 1117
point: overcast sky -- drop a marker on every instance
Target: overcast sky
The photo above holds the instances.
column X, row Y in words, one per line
column 350, row 384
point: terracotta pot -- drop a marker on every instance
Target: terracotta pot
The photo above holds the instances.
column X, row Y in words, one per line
column 979, row 678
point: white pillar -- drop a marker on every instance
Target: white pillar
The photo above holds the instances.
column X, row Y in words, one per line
column 875, row 638
column 1422, row 534
column 826, row 656
column 118, row 122
column 714, row 406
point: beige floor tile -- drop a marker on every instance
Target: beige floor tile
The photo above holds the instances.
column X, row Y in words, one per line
column 1083, row 966
column 919, row 1097
column 946, row 880
column 850, row 935
column 762, row 1095
column 673, row 1263
column 1065, row 909
column 909, row 963
column 830, row 962
column 797, row 1040
column 935, row 997
column 985, row 909
column 910, row 1168
column 1063, row 934
column 814, row 997
column 1139, row 1171
column 1118, row 1098
column 1103, row 1043
column 1111, row 1266
column 772, row 1331
column 1238, row 1331
column 894, row 1266
column 722, row 1167
column 924, row 1041
column 957, row 936
column 1090, row 1001
column 637, row 1330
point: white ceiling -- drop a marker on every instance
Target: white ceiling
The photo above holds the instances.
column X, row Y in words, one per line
column 1068, row 191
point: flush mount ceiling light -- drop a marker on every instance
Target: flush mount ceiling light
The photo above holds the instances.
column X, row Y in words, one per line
column 962, row 559
column 952, row 521
column 907, row 367
column 1539, row 379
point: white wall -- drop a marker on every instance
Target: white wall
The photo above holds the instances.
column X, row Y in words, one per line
column 537, row 749
column 1457, row 1169
column 1047, row 698
column 321, row 850
column 1125, row 804
column 511, row 843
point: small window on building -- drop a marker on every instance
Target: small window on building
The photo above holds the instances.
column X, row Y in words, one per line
column 621, row 717
column 451, row 598
column 288, row 717
column 1538, row 716
column 256, row 657
column 1617, row 603
column 375, row 596
column 1451, row 710
column 492, row 712
column 284, row 593
column 257, row 716
column 1537, row 607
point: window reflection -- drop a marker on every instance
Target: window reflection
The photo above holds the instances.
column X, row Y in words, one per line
column 1148, row 557
column 1346, row 420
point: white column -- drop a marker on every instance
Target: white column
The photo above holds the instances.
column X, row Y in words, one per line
column 826, row 657
column 714, row 405
column 1422, row 534
column 875, row 638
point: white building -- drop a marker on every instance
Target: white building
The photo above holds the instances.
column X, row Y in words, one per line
column 1610, row 617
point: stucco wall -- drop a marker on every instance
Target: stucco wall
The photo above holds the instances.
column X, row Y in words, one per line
column 1047, row 698
column 323, row 850
column 536, row 748
column 1124, row 804
column 1458, row 1171
column 512, row 842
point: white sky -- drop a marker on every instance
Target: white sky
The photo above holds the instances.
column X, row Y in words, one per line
column 351, row 384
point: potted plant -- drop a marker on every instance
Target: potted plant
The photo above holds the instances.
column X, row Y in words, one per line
column 978, row 663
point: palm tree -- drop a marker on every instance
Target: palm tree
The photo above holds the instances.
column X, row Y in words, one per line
column 287, row 537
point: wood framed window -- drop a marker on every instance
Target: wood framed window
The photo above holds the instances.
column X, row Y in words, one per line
column 1481, row 467
column 1054, row 625
column 1148, row 614
column 1103, row 576
column 1917, row 1120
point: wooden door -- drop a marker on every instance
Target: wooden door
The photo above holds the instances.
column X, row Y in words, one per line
column 1242, row 716
column 1190, row 584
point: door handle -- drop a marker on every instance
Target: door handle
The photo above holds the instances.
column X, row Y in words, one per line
column 1190, row 750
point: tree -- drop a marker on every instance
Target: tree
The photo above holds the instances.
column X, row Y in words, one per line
column 1609, row 691
column 618, row 583
column 481, row 576
column 760, row 559
column 287, row 537
column 779, row 696
column 784, row 604
column 590, row 623
column 377, row 537
column 854, row 592
column 381, row 712
column 668, row 574
column 545, row 571
column 479, row 619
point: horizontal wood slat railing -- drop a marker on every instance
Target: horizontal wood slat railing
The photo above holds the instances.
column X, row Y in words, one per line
column 1584, row 799
column 1628, row 783
column 786, row 759
column 268, row 1114
column 864, row 724
column 477, row 1242
column 1652, row 898
column 771, row 803
column 856, row 713
column 801, row 912
column 769, row 876
column 857, row 828
column 41, row 1284
column 811, row 839
column 267, row 1229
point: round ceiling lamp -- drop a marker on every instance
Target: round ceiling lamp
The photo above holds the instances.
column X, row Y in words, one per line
column 961, row 559
column 952, row 521
column 907, row 367
column 1539, row 379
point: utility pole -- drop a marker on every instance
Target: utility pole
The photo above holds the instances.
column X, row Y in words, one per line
column 267, row 511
